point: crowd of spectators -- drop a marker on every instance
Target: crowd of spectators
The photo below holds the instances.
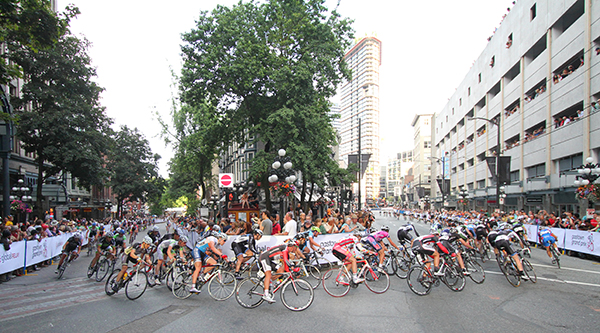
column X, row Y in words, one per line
column 567, row 71
column 534, row 134
column 536, row 93
column 512, row 111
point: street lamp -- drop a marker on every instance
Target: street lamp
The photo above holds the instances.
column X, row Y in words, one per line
column 279, row 174
column 464, row 194
column 443, row 161
column 501, row 197
column 214, row 199
column 498, row 152
column 21, row 193
column 587, row 175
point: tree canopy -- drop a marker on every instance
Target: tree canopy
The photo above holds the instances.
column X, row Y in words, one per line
column 267, row 69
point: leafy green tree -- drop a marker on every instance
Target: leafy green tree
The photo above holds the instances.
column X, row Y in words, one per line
column 59, row 115
column 133, row 167
column 31, row 24
column 268, row 69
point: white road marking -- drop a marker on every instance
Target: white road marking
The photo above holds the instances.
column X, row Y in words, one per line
column 556, row 280
column 571, row 269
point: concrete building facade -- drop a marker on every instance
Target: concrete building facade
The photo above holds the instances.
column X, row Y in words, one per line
column 360, row 104
column 537, row 78
column 421, row 185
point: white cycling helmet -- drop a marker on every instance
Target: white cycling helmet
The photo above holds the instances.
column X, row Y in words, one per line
column 148, row 240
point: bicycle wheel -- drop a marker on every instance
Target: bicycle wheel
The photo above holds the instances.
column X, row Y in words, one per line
column 420, row 281
column 336, row 282
column 377, row 282
column 111, row 282
column 453, row 275
column 321, row 263
column 253, row 270
column 403, row 267
column 61, row 268
column 91, row 270
column 555, row 255
column 390, row 266
column 182, row 285
column 103, row 268
column 136, row 285
column 528, row 269
column 297, row 295
column 222, row 285
column 89, row 249
column 512, row 274
column 170, row 277
column 314, row 276
column 248, row 293
column 476, row 270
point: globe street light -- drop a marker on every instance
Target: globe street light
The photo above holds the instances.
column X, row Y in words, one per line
column 498, row 152
column 586, row 175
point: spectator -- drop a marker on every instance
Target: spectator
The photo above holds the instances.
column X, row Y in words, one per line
column 266, row 224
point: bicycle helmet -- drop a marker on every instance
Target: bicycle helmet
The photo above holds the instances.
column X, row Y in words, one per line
column 122, row 231
column 258, row 232
column 222, row 236
column 184, row 239
column 155, row 228
column 109, row 234
column 148, row 240
column 119, row 230
column 77, row 235
column 292, row 242
column 385, row 228
column 315, row 229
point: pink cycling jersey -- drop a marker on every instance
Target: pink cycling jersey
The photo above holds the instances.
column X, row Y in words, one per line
column 380, row 235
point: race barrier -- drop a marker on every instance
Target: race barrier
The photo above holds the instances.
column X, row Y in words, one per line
column 325, row 241
column 572, row 240
column 26, row 253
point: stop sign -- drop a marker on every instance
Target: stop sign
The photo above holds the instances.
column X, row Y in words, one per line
column 225, row 180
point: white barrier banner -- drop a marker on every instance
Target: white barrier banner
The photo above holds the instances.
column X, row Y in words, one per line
column 560, row 234
column 532, row 232
column 38, row 251
column 583, row 241
column 12, row 259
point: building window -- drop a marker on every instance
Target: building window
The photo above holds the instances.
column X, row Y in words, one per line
column 514, row 176
column 479, row 78
column 493, row 61
column 509, row 41
column 570, row 162
column 459, row 101
column 452, row 111
column 536, row 171
column 481, row 184
column 469, row 91
column 532, row 12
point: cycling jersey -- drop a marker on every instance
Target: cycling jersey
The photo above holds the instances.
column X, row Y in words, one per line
column 267, row 258
column 243, row 243
column 341, row 249
column 547, row 237
column 427, row 244
column 105, row 243
column 203, row 246
column 502, row 241
column 72, row 244
column 404, row 233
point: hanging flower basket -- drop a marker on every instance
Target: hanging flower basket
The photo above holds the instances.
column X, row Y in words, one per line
column 590, row 192
column 282, row 189
column 19, row 206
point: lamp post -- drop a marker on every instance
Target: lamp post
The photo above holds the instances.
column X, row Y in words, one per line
column 214, row 200
column 587, row 174
column 498, row 152
column 464, row 194
column 279, row 174
column 443, row 161
column 21, row 193
column 501, row 197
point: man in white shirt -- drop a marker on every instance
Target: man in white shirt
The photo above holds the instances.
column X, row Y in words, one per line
column 290, row 226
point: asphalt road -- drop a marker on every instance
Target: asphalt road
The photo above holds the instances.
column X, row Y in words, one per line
column 563, row 300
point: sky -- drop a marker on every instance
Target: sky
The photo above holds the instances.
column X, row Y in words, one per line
column 427, row 49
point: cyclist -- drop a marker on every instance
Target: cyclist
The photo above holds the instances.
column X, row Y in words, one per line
column 430, row 245
column 93, row 232
column 307, row 240
column 502, row 243
column 153, row 233
column 72, row 244
column 133, row 254
column 447, row 238
column 106, row 245
column 548, row 238
column 244, row 247
column 202, row 256
column 520, row 230
column 120, row 239
column 375, row 240
column 166, row 250
column 342, row 251
column 481, row 233
column 270, row 262
column 403, row 234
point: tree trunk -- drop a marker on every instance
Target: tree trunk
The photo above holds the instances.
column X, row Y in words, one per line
column 303, row 195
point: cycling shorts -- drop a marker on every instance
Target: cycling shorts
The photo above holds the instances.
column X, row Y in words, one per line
column 373, row 243
column 426, row 249
column 503, row 244
column 404, row 236
column 481, row 234
column 547, row 241
column 341, row 253
column 198, row 255
column 238, row 248
column 127, row 259
column 267, row 263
